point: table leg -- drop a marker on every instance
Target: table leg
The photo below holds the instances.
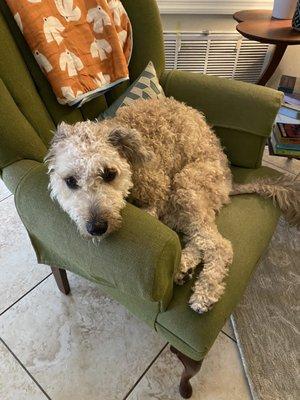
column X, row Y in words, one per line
column 276, row 58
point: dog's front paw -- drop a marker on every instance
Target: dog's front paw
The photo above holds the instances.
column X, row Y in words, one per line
column 181, row 277
column 200, row 304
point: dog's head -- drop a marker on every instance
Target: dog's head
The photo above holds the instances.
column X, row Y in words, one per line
column 90, row 167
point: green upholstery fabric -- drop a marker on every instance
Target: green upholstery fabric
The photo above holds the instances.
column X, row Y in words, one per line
column 248, row 222
column 19, row 84
column 147, row 37
column 140, row 258
column 15, row 172
column 241, row 114
column 135, row 265
column 18, row 138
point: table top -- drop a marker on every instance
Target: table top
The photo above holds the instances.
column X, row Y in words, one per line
column 245, row 15
column 260, row 26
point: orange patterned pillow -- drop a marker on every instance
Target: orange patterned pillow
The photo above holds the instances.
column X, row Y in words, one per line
column 82, row 46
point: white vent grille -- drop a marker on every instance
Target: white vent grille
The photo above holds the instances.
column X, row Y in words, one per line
column 223, row 54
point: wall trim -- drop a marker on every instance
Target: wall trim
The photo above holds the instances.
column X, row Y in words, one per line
column 211, row 7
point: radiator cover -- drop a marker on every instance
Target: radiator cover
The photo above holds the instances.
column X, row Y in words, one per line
column 225, row 54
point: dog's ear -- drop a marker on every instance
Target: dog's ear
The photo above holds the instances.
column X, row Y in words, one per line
column 130, row 144
column 62, row 132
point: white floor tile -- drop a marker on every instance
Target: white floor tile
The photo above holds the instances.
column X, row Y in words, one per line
column 15, row 383
column 4, row 192
column 19, row 271
column 81, row 346
column 220, row 378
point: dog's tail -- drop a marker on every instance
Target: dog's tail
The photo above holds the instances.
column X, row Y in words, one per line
column 285, row 192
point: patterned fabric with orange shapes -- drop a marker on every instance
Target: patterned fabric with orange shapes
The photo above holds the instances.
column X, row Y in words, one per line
column 82, row 46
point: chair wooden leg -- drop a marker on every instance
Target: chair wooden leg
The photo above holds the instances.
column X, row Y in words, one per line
column 61, row 279
column 191, row 367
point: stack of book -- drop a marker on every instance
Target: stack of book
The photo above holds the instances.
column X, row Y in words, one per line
column 285, row 138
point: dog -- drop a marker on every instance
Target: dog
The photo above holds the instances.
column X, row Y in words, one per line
column 165, row 156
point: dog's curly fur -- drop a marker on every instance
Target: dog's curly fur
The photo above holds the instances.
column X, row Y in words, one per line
column 164, row 154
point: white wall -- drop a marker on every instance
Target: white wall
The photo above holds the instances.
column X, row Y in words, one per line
column 290, row 64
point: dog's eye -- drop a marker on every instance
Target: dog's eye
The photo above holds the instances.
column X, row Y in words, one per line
column 71, row 182
column 109, row 174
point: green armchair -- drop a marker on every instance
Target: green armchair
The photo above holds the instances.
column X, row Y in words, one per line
column 136, row 264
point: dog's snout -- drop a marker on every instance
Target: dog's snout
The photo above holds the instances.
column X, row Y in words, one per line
column 97, row 228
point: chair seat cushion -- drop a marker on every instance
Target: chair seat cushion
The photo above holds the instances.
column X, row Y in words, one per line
column 248, row 222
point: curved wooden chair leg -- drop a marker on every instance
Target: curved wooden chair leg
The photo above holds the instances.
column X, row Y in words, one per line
column 61, row 279
column 191, row 367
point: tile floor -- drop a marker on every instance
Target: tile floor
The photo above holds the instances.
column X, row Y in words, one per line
column 86, row 346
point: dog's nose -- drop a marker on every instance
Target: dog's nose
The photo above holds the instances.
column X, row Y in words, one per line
column 96, row 228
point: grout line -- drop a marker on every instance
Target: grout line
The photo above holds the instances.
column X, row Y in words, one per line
column 144, row 373
column 24, row 368
column 25, row 294
column 6, row 197
column 226, row 334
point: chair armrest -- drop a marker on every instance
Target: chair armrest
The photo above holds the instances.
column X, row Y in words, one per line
column 15, row 172
column 138, row 260
column 241, row 114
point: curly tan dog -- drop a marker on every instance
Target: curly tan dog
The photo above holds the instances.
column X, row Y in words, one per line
column 167, row 158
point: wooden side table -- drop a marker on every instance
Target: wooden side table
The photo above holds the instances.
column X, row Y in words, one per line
column 260, row 26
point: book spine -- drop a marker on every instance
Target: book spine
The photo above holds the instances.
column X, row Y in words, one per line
column 281, row 130
column 287, row 152
column 284, row 131
column 291, row 147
